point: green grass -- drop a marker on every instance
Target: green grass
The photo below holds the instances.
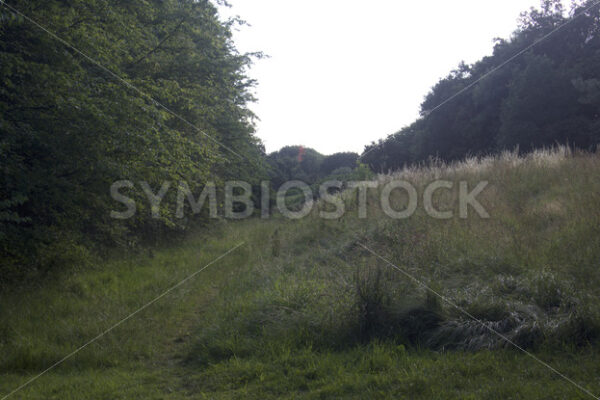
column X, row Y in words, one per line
column 390, row 371
column 301, row 311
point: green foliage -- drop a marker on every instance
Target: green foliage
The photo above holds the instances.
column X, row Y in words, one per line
column 308, row 165
column 69, row 129
column 337, row 161
column 295, row 163
column 547, row 96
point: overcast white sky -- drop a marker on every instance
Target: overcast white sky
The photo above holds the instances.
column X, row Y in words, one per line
column 343, row 73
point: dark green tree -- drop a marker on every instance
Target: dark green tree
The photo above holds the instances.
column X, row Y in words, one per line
column 538, row 88
column 69, row 128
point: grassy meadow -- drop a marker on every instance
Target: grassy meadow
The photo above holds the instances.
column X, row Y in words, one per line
column 301, row 310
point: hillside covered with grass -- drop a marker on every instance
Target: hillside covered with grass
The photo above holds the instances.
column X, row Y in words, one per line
column 151, row 248
column 318, row 308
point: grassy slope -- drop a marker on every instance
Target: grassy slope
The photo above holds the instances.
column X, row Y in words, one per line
column 300, row 311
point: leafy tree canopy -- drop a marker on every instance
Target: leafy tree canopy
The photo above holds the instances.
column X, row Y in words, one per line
column 69, row 128
column 548, row 95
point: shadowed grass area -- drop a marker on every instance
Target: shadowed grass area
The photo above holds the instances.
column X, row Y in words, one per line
column 302, row 311
column 41, row 325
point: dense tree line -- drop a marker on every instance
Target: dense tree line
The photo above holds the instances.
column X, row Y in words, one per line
column 548, row 95
column 307, row 165
column 69, row 128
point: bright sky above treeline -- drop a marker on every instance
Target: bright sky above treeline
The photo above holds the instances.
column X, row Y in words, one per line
column 341, row 73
